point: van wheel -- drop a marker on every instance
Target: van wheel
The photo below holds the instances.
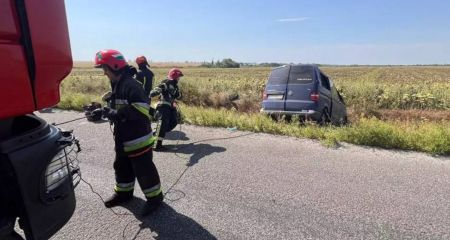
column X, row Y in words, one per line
column 325, row 117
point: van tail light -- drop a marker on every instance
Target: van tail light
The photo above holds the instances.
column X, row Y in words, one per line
column 314, row 97
column 264, row 95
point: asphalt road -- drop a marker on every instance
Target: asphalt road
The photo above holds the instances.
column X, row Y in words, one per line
column 260, row 186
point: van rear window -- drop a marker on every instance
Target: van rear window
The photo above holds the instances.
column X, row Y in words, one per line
column 301, row 75
column 279, row 75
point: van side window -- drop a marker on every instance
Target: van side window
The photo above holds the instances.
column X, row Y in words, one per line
column 325, row 81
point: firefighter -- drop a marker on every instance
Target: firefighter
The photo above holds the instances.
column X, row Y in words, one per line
column 129, row 112
column 144, row 75
column 166, row 111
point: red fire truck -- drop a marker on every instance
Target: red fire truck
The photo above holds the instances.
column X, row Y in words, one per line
column 37, row 173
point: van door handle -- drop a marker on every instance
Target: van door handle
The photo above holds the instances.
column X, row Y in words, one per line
column 290, row 93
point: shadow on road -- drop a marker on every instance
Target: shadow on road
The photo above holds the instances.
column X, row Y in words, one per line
column 198, row 151
column 176, row 135
column 166, row 223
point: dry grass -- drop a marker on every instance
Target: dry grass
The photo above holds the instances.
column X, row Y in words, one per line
column 414, row 115
column 431, row 137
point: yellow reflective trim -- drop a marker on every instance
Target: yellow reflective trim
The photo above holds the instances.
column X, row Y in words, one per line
column 154, row 193
column 139, row 145
column 141, row 109
column 121, row 189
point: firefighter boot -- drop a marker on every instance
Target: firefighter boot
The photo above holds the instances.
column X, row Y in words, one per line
column 152, row 204
column 118, row 198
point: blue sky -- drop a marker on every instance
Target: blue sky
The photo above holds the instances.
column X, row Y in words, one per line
column 328, row 32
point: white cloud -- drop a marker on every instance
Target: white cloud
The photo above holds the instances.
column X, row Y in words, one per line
column 299, row 19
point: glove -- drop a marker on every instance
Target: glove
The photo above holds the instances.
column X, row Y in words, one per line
column 106, row 97
column 95, row 115
column 110, row 114
column 97, row 111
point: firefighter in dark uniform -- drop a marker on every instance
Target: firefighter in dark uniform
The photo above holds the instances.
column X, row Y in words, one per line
column 129, row 112
column 166, row 111
column 144, row 75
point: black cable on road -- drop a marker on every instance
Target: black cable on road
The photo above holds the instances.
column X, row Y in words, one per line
column 73, row 120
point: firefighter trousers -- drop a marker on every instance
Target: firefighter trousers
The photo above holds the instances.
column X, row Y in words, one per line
column 168, row 120
column 129, row 167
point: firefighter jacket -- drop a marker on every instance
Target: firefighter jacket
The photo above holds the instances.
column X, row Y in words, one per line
column 132, row 129
column 145, row 77
column 168, row 91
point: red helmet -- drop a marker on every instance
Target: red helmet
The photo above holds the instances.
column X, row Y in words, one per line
column 141, row 60
column 174, row 73
column 112, row 58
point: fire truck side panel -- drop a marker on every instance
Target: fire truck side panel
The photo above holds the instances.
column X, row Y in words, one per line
column 51, row 49
column 16, row 94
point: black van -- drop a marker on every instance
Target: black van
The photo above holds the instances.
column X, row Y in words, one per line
column 303, row 90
